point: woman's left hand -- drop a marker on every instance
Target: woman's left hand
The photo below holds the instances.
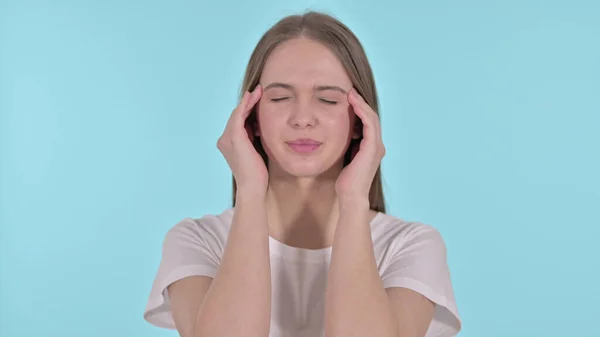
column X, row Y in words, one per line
column 354, row 182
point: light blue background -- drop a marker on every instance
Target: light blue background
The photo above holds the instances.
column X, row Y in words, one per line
column 110, row 111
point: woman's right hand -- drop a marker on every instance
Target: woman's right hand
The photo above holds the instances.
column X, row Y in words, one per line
column 235, row 144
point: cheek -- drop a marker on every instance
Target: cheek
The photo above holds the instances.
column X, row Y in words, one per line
column 269, row 122
column 339, row 124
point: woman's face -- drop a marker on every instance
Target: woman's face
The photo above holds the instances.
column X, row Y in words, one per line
column 304, row 118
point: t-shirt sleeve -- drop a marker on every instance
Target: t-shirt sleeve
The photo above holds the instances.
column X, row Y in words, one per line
column 418, row 262
column 185, row 252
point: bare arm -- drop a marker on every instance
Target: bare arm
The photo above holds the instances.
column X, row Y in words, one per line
column 186, row 295
column 357, row 304
column 238, row 301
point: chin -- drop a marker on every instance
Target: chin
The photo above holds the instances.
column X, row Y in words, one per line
column 304, row 172
column 307, row 167
column 304, row 165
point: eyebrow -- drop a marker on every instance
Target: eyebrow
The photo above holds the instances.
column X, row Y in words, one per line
column 315, row 88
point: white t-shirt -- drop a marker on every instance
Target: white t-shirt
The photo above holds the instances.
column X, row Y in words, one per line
column 409, row 254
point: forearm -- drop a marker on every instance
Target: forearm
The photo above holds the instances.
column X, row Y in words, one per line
column 356, row 302
column 238, row 303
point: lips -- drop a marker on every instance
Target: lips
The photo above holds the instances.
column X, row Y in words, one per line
column 304, row 145
column 304, row 141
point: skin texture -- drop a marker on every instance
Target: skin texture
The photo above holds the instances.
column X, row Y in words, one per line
column 303, row 200
column 296, row 104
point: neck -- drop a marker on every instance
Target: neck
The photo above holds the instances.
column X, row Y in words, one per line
column 302, row 212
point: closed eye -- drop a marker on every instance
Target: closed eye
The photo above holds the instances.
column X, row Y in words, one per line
column 326, row 101
column 278, row 99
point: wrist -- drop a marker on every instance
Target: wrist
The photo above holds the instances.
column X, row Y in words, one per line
column 250, row 195
column 354, row 204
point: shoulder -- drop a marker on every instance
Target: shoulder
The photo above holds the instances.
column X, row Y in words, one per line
column 209, row 229
column 413, row 255
column 398, row 233
column 191, row 247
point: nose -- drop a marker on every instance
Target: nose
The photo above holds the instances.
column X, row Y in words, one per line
column 303, row 116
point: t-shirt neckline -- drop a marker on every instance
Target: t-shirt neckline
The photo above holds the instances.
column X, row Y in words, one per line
column 298, row 254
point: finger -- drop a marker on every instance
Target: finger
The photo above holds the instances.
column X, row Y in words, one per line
column 365, row 113
column 240, row 107
column 232, row 122
column 241, row 112
column 374, row 117
column 366, row 107
column 251, row 101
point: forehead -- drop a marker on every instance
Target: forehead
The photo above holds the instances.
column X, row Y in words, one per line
column 304, row 62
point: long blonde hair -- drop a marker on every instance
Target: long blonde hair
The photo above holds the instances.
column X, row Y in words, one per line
column 345, row 45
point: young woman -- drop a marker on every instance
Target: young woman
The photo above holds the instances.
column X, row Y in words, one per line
column 307, row 249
